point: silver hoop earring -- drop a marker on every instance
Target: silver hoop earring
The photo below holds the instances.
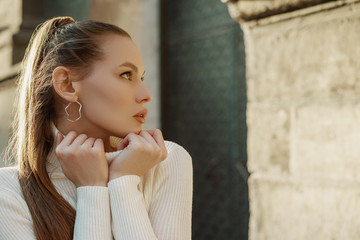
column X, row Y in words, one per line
column 68, row 115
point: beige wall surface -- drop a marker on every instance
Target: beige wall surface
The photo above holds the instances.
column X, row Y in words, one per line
column 7, row 98
column 10, row 15
column 303, row 117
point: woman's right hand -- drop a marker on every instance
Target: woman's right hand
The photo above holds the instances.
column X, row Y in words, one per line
column 139, row 154
column 82, row 159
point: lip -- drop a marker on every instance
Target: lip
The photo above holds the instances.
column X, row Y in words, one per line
column 140, row 116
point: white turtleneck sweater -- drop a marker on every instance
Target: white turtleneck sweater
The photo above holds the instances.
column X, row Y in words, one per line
column 157, row 205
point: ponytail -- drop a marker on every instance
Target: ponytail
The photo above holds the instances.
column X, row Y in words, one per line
column 53, row 217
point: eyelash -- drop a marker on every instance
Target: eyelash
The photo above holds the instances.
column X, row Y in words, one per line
column 129, row 76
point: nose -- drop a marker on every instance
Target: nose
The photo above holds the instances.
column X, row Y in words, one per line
column 143, row 95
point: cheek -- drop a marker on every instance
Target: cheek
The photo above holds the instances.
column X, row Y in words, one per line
column 107, row 103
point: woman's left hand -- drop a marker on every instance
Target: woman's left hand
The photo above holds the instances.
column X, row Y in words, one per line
column 140, row 152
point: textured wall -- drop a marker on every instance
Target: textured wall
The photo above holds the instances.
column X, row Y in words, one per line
column 303, row 121
column 10, row 15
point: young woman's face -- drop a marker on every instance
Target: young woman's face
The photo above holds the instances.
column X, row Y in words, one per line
column 114, row 93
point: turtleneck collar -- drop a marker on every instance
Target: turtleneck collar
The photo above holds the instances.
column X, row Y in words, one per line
column 53, row 165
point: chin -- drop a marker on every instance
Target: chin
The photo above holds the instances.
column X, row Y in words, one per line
column 135, row 130
column 139, row 129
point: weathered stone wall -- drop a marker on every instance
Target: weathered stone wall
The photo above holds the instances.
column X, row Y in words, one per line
column 303, row 121
column 10, row 15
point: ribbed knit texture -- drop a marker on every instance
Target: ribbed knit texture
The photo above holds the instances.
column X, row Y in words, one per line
column 157, row 205
column 93, row 213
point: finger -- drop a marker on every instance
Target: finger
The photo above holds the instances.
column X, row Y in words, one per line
column 89, row 142
column 149, row 139
column 79, row 140
column 141, row 139
column 99, row 144
column 130, row 140
column 151, row 132
column 124, row 143
column 158, row 137
column 59, row 138
column 69, row 138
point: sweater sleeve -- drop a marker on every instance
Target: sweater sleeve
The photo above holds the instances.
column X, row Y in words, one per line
column 170, row 211
column 92, row 214
column 169, row 216
column 15, row 222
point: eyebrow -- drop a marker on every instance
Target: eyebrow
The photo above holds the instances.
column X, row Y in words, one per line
column 130, row 65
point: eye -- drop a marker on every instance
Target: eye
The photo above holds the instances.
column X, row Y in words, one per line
column 126, row 75
column 142, row 78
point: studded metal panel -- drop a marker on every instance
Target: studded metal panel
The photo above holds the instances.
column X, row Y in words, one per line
column 204, row 110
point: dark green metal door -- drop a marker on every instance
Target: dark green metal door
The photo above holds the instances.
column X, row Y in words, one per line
column 204, row 105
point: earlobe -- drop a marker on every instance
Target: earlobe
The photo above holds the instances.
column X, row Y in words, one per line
column 63, row 84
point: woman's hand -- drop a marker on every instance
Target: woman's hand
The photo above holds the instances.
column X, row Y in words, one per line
column 82, row 159
column 139, row 154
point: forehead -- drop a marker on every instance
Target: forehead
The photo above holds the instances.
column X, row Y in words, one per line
column 118, row 49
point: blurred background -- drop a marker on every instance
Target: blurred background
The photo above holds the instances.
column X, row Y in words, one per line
column 264, row 95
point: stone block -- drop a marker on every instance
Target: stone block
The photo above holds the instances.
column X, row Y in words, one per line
column 326, row 140
column 306, row 56
column 5, row 54
column 268, row 138
column 244, row 10
column 10, row 14
column 290, row 209
column 7, row 98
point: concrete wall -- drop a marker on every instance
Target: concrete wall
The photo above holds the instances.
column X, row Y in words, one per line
column 303, row 121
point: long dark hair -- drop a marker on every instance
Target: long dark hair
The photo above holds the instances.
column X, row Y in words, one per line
column 57, row 42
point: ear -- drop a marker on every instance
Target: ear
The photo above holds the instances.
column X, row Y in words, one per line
column 62, row 83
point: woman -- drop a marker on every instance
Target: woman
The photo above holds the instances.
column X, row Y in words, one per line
column 86, row 169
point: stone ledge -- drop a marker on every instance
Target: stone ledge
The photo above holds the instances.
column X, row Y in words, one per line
column 251, row 10
column 288, row 179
